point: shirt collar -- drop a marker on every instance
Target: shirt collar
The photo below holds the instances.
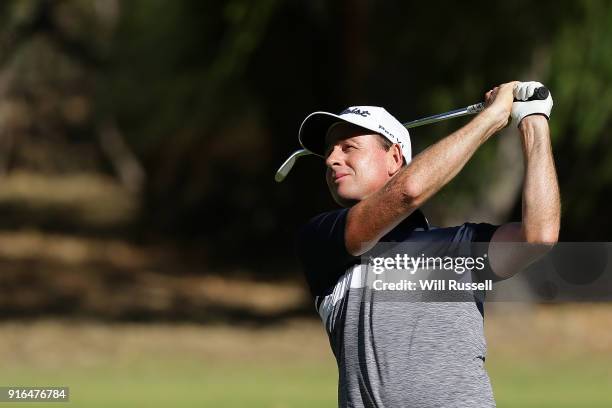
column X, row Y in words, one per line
column 415, row 220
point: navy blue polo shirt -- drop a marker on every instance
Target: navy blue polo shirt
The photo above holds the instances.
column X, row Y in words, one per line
column 397, row 353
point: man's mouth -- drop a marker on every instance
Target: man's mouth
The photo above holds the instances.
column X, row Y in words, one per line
column 338, row 176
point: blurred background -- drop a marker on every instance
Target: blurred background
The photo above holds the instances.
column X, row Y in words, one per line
column 146, row 253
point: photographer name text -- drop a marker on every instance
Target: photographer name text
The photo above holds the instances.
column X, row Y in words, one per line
column 432, row 285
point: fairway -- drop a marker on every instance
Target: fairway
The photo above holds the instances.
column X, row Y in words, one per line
column 189, row 384
column 157, row 383
column 289, row 365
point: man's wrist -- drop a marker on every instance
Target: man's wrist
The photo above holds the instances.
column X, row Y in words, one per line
column 495, row 120
column 534, row 132
column 533, row 122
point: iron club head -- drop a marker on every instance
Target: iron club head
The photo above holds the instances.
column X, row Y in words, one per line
column 286, row 167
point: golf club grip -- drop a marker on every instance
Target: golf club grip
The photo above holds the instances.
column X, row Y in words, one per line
column 539, row 94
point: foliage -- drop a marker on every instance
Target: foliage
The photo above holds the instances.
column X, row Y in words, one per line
column 209, row 95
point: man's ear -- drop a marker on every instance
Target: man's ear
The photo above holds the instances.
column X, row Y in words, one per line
column 395, row 160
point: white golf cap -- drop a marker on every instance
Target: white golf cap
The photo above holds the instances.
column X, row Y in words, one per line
column 316, row 125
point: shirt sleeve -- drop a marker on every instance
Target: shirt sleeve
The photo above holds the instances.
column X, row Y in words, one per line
column 481, row 235
column 322, row 251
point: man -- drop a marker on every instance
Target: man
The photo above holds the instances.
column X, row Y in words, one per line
column 415, row 354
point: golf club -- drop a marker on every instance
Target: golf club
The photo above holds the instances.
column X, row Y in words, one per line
column 286, row 167
column 539, row 94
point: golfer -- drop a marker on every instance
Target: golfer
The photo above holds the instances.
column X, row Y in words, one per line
column 416, row 354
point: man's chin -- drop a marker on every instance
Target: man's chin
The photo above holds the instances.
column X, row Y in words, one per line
column 345, row 200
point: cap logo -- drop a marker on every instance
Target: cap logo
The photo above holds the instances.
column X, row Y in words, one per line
column 387, row 132
column 356, row 111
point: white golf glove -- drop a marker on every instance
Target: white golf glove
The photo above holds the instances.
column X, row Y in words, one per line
column 524, row 91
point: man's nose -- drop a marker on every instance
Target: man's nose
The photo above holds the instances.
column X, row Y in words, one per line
column 334, row 157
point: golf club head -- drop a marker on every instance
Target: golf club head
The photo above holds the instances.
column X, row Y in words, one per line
column 286, row 167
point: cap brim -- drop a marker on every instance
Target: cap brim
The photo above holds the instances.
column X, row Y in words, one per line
column 314, row 129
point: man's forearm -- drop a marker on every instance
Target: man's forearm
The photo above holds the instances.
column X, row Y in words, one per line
column 541, row 200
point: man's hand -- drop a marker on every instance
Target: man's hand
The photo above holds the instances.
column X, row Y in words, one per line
column 498, row 103
column 524, row 91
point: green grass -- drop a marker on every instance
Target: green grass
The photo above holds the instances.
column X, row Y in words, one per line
column 569, row 383
column 185, row 384
column 542, row 384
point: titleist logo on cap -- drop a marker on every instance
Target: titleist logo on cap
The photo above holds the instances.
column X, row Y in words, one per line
column 356, row 111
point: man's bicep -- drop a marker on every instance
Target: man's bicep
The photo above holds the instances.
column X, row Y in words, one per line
column 509, row 253
column 510, row 232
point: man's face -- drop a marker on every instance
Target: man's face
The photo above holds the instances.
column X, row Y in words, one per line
column 357, row 163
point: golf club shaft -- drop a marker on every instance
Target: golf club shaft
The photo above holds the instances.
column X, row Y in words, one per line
column 539, row 94
column 468, row 110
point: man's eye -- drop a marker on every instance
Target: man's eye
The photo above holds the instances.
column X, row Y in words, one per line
column 348, row 147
